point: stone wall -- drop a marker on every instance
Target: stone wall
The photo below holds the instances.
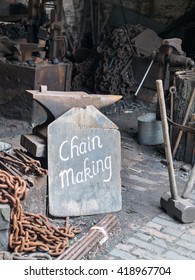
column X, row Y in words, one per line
column 4, row 7
column 163, row 11
column 160, row 10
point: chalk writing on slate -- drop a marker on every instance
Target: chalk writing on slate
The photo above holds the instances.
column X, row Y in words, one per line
column 89, row 169
column 84, row 163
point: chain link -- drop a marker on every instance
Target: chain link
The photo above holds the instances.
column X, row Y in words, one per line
column 30, row 232
column 110, row 70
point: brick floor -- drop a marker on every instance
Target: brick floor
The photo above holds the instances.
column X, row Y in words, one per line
column 160, row 238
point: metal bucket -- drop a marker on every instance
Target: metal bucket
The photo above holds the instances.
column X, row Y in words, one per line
column 149, row 130
column 5, row 147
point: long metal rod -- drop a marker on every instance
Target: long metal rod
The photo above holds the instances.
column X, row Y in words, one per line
column 83, row 244
column 184, row 122
column 80, row 243
column 173, row 186
column 94, row 235
column 150, row 65
column 94, row 242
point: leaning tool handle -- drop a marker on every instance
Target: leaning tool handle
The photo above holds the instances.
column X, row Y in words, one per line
column 173, row 186
column 184, row 122
column 189, row 184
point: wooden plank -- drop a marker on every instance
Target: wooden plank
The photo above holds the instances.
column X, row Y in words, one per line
column 34, row 144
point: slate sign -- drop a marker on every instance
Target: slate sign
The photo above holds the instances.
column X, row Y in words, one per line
column 84, row 163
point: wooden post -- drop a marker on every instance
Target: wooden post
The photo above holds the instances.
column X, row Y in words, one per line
column 190, row 140
column 185, row 83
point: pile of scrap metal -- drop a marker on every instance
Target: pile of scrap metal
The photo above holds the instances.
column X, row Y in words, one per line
column 38, row 59
column 12, row 31
column 109, row 69
column 20, row 164
column 21, row 52
column 43, row 34
column 47, row 22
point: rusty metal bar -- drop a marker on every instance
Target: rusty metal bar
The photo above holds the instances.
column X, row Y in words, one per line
column 90, row 242
column 95, row 241
column 79, row 249
column 80, row 241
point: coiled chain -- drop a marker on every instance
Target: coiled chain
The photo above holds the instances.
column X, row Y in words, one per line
column 31, row 232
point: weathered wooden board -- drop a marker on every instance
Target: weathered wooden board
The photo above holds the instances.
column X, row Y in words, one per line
column 34, row 144
column 84, row 163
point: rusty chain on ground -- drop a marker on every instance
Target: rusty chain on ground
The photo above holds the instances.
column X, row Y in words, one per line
column 23, row 163
column 31, row 232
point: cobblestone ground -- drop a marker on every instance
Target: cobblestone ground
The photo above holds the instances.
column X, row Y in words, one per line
column 160, row 238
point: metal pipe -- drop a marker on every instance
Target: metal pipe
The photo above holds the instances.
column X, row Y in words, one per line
column 96, row 235
column 150, row 65
column 86, row 242
column 173, row 187
column 81, row 241
column 114, row 223
column 75, row 250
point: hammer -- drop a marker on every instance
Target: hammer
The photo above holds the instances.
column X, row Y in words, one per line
column 175, row 206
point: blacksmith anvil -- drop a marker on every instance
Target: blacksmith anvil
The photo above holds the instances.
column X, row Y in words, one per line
column 56, row 103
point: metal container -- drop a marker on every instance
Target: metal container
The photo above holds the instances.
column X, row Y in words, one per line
column 149, row 130
column 5, row 147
